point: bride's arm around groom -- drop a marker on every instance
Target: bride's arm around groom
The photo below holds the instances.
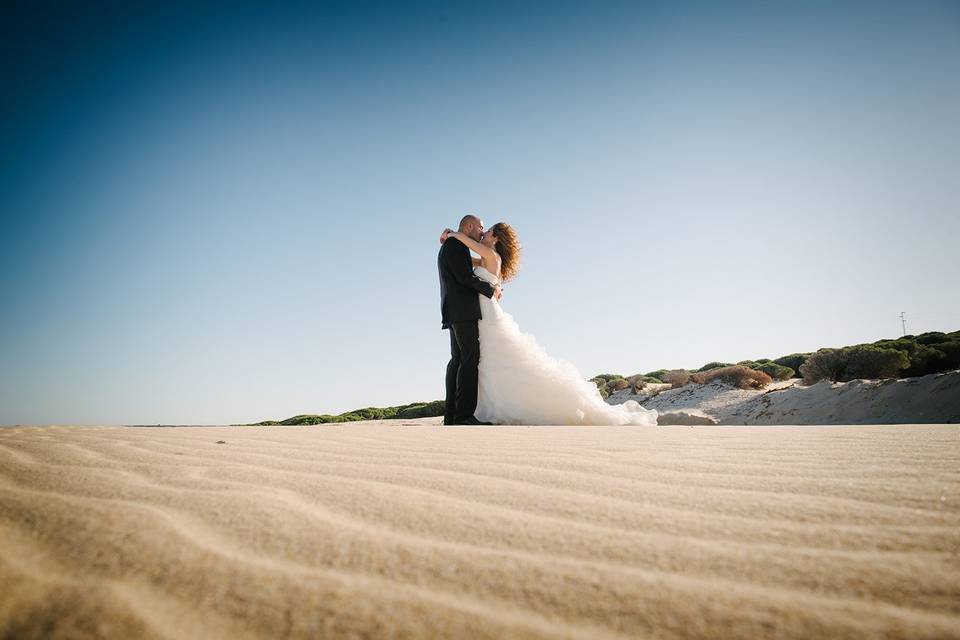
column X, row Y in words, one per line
column 456, row 258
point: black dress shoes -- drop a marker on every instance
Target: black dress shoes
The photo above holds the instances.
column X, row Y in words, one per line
column 473, row 421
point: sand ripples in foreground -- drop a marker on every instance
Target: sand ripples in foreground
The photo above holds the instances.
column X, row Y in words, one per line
column 371, row 530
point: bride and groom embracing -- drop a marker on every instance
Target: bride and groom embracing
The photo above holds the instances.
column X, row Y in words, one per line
column 497, row 373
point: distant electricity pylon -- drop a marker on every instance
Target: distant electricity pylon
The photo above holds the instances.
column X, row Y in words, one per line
column 903, row 322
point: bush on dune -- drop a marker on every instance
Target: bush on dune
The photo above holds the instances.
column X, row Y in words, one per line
column 636, row 383
column 305, row 419
column 907, row 356
column 677, row 378
column 421, row 410
column 849, row 363
column 941, row 357
column 924, row 359
column 775, row 371
column 951, row 354
column 608, row 383
column 930, row 352
column 601, row 385
column 736, row 375
column 405, row 411
column 713, row 365
column 933, row 338
column 368, row 413
column 607, row 377
column 794, row 360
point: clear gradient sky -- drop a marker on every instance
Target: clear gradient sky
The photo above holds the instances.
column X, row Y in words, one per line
column 230, row 213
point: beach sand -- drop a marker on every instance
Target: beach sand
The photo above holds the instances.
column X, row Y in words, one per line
column 411, row 530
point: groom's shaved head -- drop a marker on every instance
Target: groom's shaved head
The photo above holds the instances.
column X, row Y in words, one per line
column 468, row 220
column 471, row 226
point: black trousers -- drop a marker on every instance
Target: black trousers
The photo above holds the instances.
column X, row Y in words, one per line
column 462, row 374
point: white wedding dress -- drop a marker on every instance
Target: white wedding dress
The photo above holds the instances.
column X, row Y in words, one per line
column 520, row 384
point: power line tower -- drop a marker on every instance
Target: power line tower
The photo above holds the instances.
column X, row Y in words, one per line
column 903, row 322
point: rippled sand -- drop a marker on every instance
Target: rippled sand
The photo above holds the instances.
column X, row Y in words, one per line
column 382, row 530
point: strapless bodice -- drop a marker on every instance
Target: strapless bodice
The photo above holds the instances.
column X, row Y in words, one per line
column 486, row 275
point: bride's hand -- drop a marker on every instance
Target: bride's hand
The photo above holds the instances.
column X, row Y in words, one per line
column 446, row 233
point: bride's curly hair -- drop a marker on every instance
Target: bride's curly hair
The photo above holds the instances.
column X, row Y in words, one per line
column 508, row 246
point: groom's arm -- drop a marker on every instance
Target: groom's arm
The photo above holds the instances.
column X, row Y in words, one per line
column 457, row 258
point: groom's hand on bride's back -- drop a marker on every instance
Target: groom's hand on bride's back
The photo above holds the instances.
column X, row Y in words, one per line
column 497, row 292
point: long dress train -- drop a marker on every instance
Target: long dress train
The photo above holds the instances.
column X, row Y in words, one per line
column 519, row 383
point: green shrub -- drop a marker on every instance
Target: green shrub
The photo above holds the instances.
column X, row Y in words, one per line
column 794, row 360
column 825, row 364
column 951, row 354
column 924, row 360
column 609, row 383
column 405, row 411
column 368, row 413
column 713, row 365
column 607, row 377
column 903, row 344
column 774, row 370
column 933, row 338
column 421, row 410
column 658, row 374
column 768, row 366
column 652, row 380
column 849, row 363
column 309, row 419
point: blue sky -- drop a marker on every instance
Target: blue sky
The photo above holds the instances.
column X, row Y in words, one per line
column 230, row 213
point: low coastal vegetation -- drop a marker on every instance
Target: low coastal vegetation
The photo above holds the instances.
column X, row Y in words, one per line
column 908, row 356
column 402, row 412
column 905, row 357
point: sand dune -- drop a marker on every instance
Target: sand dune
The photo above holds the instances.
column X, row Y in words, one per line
column 930, row 399
column 409, row 530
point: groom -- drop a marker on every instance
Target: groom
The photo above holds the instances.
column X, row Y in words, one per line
column 460, row 310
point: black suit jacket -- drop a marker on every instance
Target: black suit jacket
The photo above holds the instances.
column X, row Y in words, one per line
column 458, row 284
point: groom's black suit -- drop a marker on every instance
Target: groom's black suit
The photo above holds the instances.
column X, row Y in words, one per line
column 459, row 312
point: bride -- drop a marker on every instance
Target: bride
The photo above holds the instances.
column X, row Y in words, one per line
column 518, row 382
